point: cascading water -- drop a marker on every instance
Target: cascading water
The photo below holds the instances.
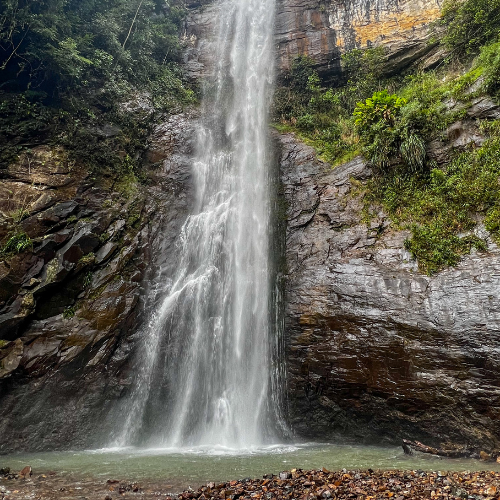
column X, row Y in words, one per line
column 206, row 375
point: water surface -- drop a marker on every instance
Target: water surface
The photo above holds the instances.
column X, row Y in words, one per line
column 196, row 466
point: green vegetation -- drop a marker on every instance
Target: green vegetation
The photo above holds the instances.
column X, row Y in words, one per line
column 69, row 312
column 470, row 25
column 67, row 67
column 104, row 237
column 377, row 121
column 489, row 62
column 17, row 243
column 323, row 117
column 87, row 280
column 3, row 343
column 440, row 207
column 391, row 121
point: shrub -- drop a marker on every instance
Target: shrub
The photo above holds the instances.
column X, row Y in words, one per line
column 364, row 74
column 294, row 90
column 470, row 24
column 376, row 120
column 436, row 247
column 413, row 152
column 301, row 74
column 489, row 62
column 381, row 107
column 363, row 64
column 424, row 112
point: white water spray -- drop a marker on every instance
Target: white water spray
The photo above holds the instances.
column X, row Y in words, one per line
column 206, row 375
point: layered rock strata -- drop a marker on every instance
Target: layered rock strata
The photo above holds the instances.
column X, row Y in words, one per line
column 72, row 302
column 325, row 29
column 376, row 350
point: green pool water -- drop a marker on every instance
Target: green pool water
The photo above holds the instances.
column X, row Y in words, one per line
column 197, row 466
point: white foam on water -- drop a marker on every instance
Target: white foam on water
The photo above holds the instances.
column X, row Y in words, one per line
column 202, row 450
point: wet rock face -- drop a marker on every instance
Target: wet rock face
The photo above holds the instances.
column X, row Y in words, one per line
column 375, row 349
column 72, row 301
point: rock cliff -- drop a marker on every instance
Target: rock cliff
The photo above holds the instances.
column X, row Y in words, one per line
column 72, row 302
column 325, row 29
column 377, row 350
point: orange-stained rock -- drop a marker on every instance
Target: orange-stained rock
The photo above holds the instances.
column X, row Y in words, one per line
column 325, row 30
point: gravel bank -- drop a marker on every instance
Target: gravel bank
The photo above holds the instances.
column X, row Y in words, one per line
column 293, row 485
column 366, row 485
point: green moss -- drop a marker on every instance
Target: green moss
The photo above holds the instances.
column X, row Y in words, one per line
column 134, row 216
column 127, row 185
column 87, row 281
column 344, row 149
column 69, row 312
column 104, row 237
column 97, row 292
column 3, row 343
column 489, row 65
column 51, row 271
column 87, row 259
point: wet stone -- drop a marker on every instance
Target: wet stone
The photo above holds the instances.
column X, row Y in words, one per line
column 368, row 485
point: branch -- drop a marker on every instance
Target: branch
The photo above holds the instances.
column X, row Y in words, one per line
column 410, row 446
column 132, row 25
column 4, row 65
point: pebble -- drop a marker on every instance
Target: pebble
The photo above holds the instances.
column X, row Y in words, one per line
column 296, row 484
column 361, row 485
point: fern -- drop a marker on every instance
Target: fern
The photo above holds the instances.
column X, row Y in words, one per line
column 17, row 243
column 413, row 152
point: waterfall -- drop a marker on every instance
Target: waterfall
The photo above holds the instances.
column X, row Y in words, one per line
column 206, row 375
